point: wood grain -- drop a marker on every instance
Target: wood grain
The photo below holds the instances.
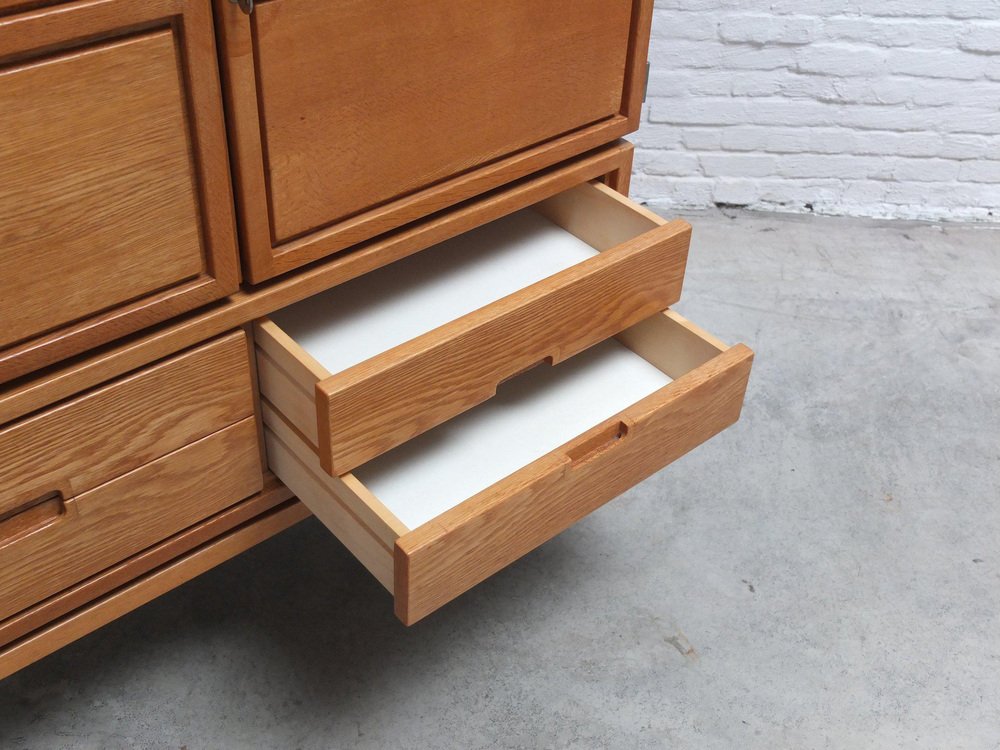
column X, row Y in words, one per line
column 383, row 402
column 114, row 186
column 12, row 6
column 98, row 202
column 312, row 488
column 79, row 444
column 66, row 379
column 635, row 67
column 345, row 490
column 420, row 91
column 600, row 216
column 462, row 547
column 458, row 549
column 315, row 177
column 273, row 493
column 85, row 620
column 620, row 179
column 130, row 513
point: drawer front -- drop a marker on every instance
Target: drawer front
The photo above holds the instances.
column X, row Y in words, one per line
column 431, row 564
column 361, row 412
column 94, row 479
column 86, row 441
column 466, row 545
column 484, row 92
column 114, row 190
column 62, row 540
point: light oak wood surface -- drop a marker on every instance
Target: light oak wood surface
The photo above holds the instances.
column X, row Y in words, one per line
column 420, row 92
column 388, row 399
column 114, row 185
column 145, row 588
column 79, row 444
column 121, row 574
column 98, row 528
column 71, row 377
column 437, row 561
column 446, row 557
column 486, row 93
column 120, row 479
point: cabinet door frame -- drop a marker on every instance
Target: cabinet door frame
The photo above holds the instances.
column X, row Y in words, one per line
column 54, row 30
column 264, row 259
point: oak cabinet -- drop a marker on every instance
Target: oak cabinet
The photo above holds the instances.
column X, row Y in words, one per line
column 352, row 118
column 115, row 199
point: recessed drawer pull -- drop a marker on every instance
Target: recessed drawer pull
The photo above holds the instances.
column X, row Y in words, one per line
column 606, row 438
column 36, row 514
column 543, row 361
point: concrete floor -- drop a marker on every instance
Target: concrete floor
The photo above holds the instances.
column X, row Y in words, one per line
column 826, row 574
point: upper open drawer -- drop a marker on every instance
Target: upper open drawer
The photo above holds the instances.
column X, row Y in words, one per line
column 441, row 513
column 387, row 356
column 387, row 112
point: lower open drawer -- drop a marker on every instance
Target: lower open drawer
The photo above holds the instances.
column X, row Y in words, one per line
column 444, row 511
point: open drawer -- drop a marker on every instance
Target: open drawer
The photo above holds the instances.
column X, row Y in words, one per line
column 374, row 362
column 434, row 517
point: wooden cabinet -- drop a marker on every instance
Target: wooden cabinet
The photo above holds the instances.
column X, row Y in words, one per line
column 452, row 341
column 352, row 118
column 88, row 482
column 114, row 189
column 440, row 440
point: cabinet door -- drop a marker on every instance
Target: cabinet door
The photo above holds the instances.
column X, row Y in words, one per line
column 115, row 200
column 352, row 118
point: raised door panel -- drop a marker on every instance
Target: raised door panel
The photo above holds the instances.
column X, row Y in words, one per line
column 353, row 118
column 114, row 193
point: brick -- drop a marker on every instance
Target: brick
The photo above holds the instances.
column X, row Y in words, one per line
column 677, row 163
column 884, row 32
column 980, row 170
column 840, row 60
column 738, row 165
column 936, row 64
column 882, row 109
column 767, row 29
column 982, row 38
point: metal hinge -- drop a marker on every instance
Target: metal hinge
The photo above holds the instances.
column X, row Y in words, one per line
column 245, row 5
column 645, row 86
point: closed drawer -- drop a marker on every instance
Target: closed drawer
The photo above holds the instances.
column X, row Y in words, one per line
column 115, row 201
column 381, row 359
column 94, row 479
column 443, row 512
column 415, row 107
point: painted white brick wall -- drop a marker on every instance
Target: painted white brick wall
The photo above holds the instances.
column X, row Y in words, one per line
column 886, row 108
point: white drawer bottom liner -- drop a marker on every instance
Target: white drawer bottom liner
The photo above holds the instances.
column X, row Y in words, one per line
column 530, row 416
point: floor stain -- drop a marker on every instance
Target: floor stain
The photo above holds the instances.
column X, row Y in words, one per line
column 680, row 642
